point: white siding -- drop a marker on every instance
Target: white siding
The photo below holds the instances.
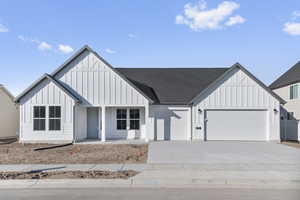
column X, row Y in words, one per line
column 45, row 94
column 159, row 122
column 237, row 91
column 80, row 123
column 9, row 116
column 98, row 84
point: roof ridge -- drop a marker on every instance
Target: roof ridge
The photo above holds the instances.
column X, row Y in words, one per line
column 172, row 67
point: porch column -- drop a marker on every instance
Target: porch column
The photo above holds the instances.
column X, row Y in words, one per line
column 103, row 130
column 146, row 131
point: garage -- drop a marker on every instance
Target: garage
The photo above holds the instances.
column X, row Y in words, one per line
column 172, row 123
column 243, row 125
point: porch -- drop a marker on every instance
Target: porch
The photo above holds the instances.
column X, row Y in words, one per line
column 110, row 124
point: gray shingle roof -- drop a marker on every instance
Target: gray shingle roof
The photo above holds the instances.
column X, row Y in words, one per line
column 172, row 85
column 289, row 77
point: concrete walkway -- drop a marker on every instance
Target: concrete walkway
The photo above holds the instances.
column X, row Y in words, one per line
column 170, row 176
column 222, row 152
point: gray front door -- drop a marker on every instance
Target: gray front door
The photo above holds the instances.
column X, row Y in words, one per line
column 92, row 123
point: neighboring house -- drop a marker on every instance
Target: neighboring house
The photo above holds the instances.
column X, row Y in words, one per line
column 86, row 98
column 287, row 87
column 9, row 115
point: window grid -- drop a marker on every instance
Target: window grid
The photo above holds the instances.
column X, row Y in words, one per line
column 134, row 123
column 294, row 92
column 39, row 118
column 121, row 119
column 54, row 118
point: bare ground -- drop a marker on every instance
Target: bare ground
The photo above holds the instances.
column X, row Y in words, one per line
column 69, row 175
column 292, row 144
column 16, row 153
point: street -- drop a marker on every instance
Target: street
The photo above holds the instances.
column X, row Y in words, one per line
column 148, row 194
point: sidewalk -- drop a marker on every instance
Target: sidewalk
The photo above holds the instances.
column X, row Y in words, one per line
column 169, row 176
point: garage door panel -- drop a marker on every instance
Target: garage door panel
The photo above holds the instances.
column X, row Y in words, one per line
column 236, row 125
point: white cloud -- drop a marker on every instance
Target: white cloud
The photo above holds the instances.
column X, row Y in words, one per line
column 110, row 51
column 44, row 46
column 292, row 28
column 21, row 37
column 65, row 48
column 198, row 17
column 3, row 28
column 235, row 20
column 27, row 39
column 131, row 35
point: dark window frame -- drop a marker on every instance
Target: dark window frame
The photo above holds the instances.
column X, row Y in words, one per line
column 40, row 118
column 121, row 116
column 294, row 90
column 54, row 118
column 134, row 119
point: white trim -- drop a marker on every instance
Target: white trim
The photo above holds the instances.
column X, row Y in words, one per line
column 103, row 120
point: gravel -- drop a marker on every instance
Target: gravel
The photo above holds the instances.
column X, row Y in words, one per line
column 17, row 153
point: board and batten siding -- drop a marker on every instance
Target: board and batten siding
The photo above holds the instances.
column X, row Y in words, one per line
column 97, row 83
column 46, row 94
column 236, row 91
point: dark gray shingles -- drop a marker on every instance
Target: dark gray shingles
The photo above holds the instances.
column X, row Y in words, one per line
column 289, row 77
column 172, row 85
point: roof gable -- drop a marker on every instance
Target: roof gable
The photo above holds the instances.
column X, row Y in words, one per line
column 289, row 77
column 57, row 83
column 239, row 66
column 6, row 92
column 87, row 48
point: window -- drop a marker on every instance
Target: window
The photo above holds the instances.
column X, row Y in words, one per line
column 121, row 119
column 54, row 118
column 134, row 115
column 39, row 118
column 290, row 115
column 294, row 92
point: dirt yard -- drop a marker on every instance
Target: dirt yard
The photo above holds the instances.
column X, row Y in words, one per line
column 16, row 153
column 68, row 175
column 292, row 144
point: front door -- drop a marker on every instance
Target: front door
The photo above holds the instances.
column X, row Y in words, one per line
column 92, row 123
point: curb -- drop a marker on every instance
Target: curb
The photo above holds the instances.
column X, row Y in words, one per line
column 147, row 183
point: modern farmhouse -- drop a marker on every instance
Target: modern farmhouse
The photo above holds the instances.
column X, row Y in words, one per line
column 87, row 98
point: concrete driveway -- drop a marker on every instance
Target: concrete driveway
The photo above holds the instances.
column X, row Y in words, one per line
column 222, row 152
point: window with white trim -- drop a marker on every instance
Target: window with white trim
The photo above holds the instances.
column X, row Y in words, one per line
column 294, row 92
column 121, row 119
column 134, row 119
column 54, row 118
column 39, row 118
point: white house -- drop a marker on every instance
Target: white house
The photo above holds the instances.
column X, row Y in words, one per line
column 86, row 98
column 287, row 87
column 9, row 115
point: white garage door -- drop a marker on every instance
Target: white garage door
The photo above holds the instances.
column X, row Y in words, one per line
column 179, row 125
column 249, row 125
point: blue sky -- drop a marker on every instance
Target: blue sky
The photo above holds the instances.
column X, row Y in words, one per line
column 37, row 36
